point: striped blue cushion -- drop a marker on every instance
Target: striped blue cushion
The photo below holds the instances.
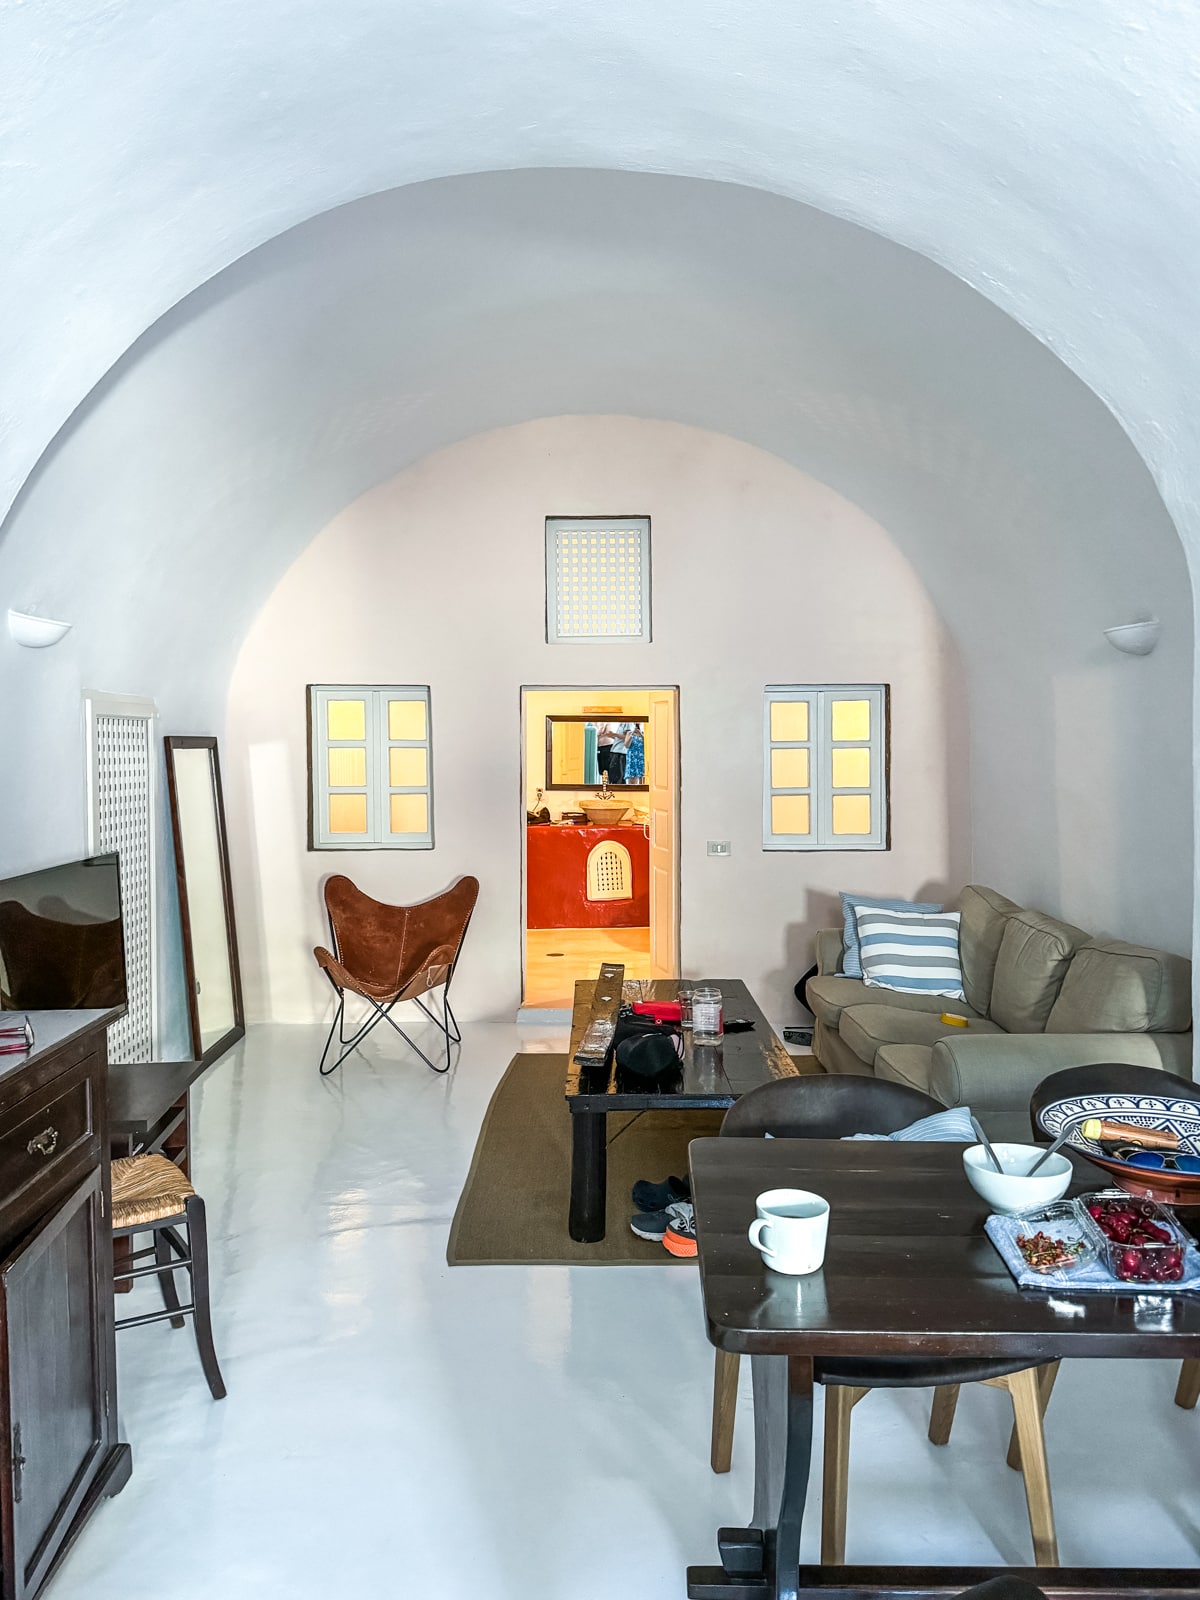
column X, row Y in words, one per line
column 851, row 965
column 911, row 952
column 947, row 1127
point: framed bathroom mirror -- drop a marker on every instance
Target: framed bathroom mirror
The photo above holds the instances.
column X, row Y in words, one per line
column 210, row 954
column 582, row 750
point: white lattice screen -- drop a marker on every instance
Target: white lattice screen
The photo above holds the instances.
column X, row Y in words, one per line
column 597, row 580
column 121, row 777
column 609, row 872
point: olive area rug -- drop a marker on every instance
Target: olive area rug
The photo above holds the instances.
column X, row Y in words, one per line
column 513, row 1208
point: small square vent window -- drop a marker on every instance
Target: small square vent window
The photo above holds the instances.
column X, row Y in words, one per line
column 597, row 580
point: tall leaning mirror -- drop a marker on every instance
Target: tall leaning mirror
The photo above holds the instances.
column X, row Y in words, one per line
column 210, row 953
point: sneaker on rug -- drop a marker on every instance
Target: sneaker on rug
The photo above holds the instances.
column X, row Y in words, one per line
column 649, row 1196
column 650, row 1224
column 680, row 1235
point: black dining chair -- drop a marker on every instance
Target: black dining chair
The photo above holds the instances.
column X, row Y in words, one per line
column 1120, row 1077
column 830, row 1108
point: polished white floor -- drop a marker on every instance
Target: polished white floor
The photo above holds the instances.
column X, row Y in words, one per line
column 398, row 1428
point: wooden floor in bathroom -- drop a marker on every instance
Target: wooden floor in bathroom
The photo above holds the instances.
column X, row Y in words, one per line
column 556, row 957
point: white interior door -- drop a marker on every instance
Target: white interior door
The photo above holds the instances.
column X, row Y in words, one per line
column 662, row 776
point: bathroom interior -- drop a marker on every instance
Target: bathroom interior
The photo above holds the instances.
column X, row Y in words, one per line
column 590, row 890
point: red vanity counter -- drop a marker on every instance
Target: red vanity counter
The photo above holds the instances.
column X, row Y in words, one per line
column 556, row 878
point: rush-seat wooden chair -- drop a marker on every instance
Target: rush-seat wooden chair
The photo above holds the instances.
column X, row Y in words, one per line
column 1187, row 1390
column 151, row 1195
column 387, row 954
column 829, row 1108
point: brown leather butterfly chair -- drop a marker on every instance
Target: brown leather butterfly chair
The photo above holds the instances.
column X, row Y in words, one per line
column 391, row 953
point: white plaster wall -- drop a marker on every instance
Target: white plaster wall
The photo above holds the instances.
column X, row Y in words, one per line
column 334, row 356
column 761, row 576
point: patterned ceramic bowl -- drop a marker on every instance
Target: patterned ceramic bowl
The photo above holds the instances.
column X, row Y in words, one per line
column 1172, row 1176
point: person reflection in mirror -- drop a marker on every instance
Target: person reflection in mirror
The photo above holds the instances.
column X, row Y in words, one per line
column 635, row 759
column 618, row 748
column 619, row 752
column 608, row 736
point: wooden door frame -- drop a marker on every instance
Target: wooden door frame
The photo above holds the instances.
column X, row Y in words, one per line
column 600, row 689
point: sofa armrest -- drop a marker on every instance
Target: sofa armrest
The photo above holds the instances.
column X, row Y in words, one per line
column 829, row 951
column 998, row 1072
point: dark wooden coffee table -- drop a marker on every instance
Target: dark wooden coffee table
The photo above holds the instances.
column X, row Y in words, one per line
column 710, row 1077
column 908, row 1271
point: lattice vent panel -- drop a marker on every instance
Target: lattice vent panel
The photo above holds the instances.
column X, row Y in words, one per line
column 122, row 777
column 609, row 873
column 598, row 580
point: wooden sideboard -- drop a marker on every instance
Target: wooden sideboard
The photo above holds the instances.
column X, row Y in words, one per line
column 59, row 1451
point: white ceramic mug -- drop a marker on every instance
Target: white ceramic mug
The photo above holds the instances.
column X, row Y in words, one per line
column 795, row 1224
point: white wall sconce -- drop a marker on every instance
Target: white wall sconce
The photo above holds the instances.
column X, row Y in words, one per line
column 35, row 633
column 1135, row 638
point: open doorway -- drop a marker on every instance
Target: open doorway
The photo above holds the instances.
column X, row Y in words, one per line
column 604, row 886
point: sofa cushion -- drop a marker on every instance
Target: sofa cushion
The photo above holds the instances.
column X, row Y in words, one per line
column 867, row 1028
column 1035, row 953
column 829, row 996
column 851, row 963
column 910, row 952
column 910, row 1064
column 984, row 914
column 1112, row 987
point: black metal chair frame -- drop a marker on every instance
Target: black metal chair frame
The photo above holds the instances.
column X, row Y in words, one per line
column 171, row 1252
column 448, row 1027
column 447, row 1024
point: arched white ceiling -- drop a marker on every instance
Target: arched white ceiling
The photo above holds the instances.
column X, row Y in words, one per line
column 341, row 352
column 353, row 345
column 1046, row 153
column 348, row 348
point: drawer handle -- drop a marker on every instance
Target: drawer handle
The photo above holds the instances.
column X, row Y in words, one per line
column 44, row 1143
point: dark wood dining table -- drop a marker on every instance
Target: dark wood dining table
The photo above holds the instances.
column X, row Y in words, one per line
column 908, row 1272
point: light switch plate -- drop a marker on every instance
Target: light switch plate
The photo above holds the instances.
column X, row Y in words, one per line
column 718, row 847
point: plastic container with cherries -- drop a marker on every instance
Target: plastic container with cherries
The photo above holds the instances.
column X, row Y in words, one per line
column 1139, row 1241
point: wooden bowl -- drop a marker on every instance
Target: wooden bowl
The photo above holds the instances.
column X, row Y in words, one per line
column 1153, row 1175
column 605, row 814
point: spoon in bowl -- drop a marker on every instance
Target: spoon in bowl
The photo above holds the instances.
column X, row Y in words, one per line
column 984, row 1141
column 1053, row 1150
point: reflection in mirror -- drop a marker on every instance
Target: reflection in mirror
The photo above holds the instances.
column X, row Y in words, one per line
column 581, row 751
column 205, row 896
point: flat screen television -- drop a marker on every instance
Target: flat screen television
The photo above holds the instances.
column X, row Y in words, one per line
column 62, row 940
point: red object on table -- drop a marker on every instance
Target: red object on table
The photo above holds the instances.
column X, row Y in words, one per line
column 660, row 1010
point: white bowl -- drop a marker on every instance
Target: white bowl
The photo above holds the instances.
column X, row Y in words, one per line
column 1011, row 1192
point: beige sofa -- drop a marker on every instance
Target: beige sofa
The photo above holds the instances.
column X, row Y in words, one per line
column 1040, row 995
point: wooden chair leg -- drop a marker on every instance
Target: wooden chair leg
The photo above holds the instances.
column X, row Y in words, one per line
column 122, row 1250
column 164, row 1258
column 198, row 1247
column 1188, row 1390
column 839, row 1403
column 1024, row 1387
column 941, row 1415
column 1046, row 1377
column 724, row 1408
